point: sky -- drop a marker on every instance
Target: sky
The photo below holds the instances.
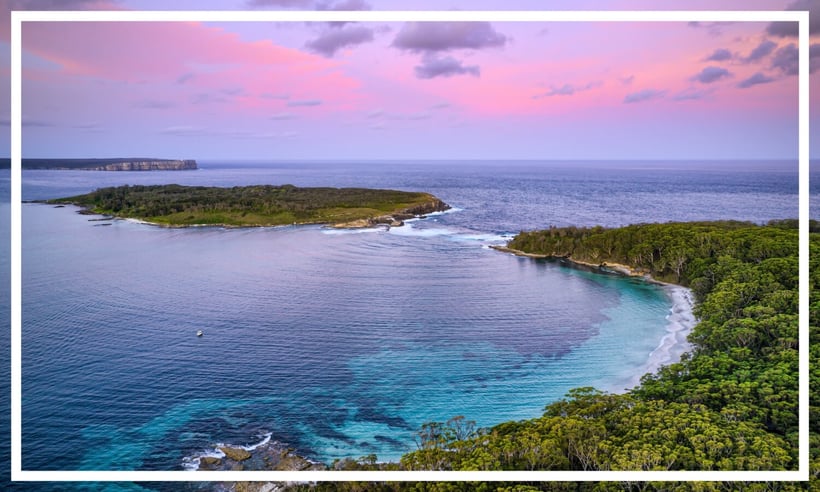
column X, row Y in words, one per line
column 410, row 90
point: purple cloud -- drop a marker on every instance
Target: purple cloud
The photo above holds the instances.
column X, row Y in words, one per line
column 203, row 132
column 287, row 4
column 764, row 49
column 182, row 79
column 644, row 95
column 814, row 57
column 283, row 116
column 53, row 4
column 431, row 37
column 569, row 89
column 436, row 66
column 711, row 74
column 692, row 94
column 29, row 123
column 713, row 28
column 206, row 98
column 344, row 5
column 336, row 38
column 721, row 54
column 305, row 103
column 153, row 104
column 564, row 90
column 789, row 29
column 36, row 124
column 756, row 79
column 787, row 59
column 268, row 95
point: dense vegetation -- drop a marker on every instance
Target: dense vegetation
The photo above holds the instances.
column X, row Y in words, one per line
column 251, row 205
column 731, row 404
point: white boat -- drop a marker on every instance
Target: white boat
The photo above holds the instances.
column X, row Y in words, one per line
column 199, row 333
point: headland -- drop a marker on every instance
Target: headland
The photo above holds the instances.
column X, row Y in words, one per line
column 111, row 164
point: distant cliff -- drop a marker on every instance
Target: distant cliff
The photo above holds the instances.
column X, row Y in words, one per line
column 120, row 164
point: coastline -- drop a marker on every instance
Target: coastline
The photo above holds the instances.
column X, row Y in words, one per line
column 680, row 320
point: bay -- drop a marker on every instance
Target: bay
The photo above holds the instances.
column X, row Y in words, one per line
column 340, row 343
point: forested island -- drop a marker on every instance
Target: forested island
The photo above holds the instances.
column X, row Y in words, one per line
column 107, row 164
column 253, row 206
column 729, row 404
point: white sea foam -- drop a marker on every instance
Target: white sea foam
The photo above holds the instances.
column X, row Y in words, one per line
column 137, row 221
column 410, row 228
column 361, row 230
column 191, row 463
column 450, row 210
column 681, row 320
column 264, row 441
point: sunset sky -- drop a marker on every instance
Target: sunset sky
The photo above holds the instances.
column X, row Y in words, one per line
column 410, row 90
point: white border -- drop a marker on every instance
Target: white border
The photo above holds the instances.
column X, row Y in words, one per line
column 17, row 19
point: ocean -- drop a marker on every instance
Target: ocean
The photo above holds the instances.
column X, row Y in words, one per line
column 340, row 343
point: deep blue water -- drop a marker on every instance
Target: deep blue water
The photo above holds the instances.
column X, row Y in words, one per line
column 338, row 343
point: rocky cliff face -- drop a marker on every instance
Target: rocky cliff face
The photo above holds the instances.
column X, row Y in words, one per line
column 171, row 165
column 113, row 164
column 434, row 205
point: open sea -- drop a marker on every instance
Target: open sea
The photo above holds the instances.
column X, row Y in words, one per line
column 338, row 343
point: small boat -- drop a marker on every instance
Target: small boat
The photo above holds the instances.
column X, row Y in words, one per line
column 199, row 333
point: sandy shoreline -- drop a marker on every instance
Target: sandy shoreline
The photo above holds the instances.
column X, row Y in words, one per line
column 680, row 322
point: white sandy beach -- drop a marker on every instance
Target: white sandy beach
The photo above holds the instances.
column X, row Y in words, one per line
column 680, row 322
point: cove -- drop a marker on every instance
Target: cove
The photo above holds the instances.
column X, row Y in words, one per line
column 337, row 343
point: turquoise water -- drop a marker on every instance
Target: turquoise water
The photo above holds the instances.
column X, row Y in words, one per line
column 337, row 343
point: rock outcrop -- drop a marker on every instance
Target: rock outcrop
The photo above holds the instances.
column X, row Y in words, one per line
column 235, row 454
column 397, row 219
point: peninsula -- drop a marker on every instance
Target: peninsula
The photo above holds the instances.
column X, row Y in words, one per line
column 114, row 164
column 256, row 206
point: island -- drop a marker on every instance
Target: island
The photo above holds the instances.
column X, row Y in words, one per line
column 113, row 164
column 257, row 206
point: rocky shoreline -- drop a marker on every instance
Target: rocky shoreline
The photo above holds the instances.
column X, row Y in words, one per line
column 395, row 219
column 604, row 266
column 267, row 455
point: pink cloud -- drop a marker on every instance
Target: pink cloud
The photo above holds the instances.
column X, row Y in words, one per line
column 186, row 58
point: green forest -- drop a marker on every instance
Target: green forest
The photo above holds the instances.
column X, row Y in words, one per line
column 245, row 206
column 729, row 404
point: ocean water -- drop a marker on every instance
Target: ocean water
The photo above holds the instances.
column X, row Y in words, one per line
column 340, row 343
